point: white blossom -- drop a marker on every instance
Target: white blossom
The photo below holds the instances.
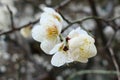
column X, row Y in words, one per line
column 48, row 30
column 26, row 32
column 80, row 47
column 47, row 35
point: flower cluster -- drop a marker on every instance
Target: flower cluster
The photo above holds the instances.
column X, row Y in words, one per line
column 77, row 46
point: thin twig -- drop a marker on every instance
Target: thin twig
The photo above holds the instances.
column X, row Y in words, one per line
column 100, row 30
column 64, row 18
column 62, row 4
column 11, row 17
column 82, row 20
column 115, row 62
column 17, row 29
column 19, row 61
column 118, row 17
column 107, row 21
column 105, row 72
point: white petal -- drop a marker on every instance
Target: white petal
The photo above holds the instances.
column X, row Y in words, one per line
column 77, row 32
column 48, row 20
column 80, row 31
column 53, row 13
column 83, row 60
column 59, row 59
column 45, row 17
column 80, row 40
column 38, row 33
column 93, row 50
column 47, row 46
column 56, row 48
column 48, row 10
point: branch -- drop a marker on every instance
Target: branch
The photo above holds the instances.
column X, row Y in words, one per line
column 11, row 17
column 115, row 62
column 105, row 72
column 99, row 28
column 62, row 4
column 64, row 18
column 118, row 17
column 17, row 29
column 84, row 19
column 69, row 22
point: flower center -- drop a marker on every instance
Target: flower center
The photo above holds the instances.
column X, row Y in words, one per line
column 63, row 48
column 52, row 32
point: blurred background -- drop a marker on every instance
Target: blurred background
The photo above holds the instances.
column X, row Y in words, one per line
column 22, row 59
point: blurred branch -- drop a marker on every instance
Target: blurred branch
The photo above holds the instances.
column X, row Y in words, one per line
column 64, row 18
column 118, row 17
column 11, row 17
column 80, row 21
column 17, row 29
column 105, row 72
column 19, row 68
column 63, row 4
column 99, row 30
column 115, row 62
column 107, row 21
column 69, row 22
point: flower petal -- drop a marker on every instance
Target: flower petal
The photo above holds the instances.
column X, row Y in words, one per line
column 83, row 60
column 92, row 50
column 53, row 13
column 80, row 41
column 45, row 17
column 55, row 49
column 48, row 10
column 38, row 33
column 47, row 46
column 77, row 32
column 59, row 59
column 80, row 31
